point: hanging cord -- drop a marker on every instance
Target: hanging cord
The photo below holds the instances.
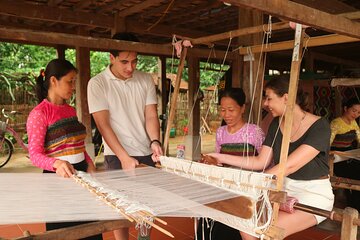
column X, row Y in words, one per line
column 162, row 16
column 214, row 95
column 262, row 59
column 197, row 95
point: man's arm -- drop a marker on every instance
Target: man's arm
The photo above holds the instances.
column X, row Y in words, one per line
column 102, row 121
column 152, row 125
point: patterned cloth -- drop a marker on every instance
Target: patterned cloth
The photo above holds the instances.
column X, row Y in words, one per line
column 55, row 133
column 238, row 149
column 344, row 136
column 247, row 139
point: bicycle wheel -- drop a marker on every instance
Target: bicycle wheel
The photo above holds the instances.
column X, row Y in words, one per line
column 6, row 150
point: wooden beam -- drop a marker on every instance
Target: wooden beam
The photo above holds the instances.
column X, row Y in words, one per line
column 139, row 7
column 304, row 15
column 239, row 32
column 53, row 14
column 99, row 44
column 81, row 4
column 9, row 23
column 193, row 139
column 289, row 113
column 329, row 6
column 174, row 97
column 348, row 230
column 80, row 231
column 54, row 3
column 313, row 42
column 82, row 41
column 351, row 15
column 327, row 58
column 115, row 5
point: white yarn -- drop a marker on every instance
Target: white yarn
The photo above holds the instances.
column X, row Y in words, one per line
column 33, row 197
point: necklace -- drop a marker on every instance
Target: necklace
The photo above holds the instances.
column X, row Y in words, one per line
column 294, row 134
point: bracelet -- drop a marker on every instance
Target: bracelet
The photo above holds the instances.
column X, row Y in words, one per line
column 155, row 140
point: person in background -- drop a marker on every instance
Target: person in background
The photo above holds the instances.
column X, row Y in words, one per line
column 56, row 137
column 236, row 137
column 123, row 102
column 306, row 170
column 345, row 135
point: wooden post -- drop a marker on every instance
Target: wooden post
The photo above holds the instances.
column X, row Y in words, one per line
column 250, row 63
column 348, row 229
column 193, row 140
column 236, row 70
column 82, row 110
column 119, row 24
column 293, row 86
column 163, row 96
column 174, row 98
column 60, row 51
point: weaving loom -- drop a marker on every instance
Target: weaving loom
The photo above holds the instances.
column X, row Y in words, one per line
column 35, row 198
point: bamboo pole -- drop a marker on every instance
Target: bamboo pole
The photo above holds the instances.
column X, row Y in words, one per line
column 174, row 98
column 293, row 86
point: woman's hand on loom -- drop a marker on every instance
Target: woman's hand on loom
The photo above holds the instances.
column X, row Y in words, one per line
column 63, row 168
column 209, row 159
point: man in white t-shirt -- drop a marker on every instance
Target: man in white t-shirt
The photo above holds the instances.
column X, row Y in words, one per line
column 123, row 104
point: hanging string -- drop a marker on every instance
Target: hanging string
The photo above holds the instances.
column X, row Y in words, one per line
column 162, row 16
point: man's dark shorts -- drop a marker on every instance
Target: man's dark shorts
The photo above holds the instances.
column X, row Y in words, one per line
column 112, row 161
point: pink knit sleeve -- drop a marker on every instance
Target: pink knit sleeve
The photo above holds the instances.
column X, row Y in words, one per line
column 36, row 128
column 260, row 138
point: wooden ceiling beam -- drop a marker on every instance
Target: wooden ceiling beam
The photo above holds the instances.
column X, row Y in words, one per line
column 351, row 15
column 54, row 3
column 53, row 14
column 161, row 9
column 189, row 14
column 82, row 4
column 115, row 5
column 312, row 42
column 12, row 24
column 29, row 11
column 330, row 59
column 239, row 32
column 329, row 6
column 139, row 7
column 99, row 44
column 304, row 15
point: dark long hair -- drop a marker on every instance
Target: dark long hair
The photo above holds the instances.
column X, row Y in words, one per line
column 57, row 68
column 351, row 102
column 237, row 94
column 280, row 86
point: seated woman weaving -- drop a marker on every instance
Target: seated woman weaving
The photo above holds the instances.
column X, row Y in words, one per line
column 236, row 138
column 345, row 136
column 307, row 165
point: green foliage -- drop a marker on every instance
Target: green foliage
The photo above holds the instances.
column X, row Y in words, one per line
column 20, row 64
column 21, row 58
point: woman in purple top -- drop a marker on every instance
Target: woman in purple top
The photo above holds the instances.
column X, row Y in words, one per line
column 239, row 138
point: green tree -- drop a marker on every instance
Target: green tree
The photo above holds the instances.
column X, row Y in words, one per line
column 22, row 58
